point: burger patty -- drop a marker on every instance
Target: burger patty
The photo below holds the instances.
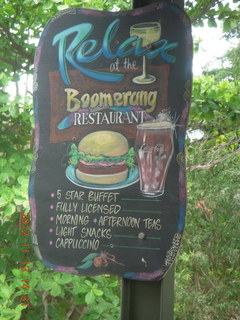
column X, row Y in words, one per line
column 101, row 169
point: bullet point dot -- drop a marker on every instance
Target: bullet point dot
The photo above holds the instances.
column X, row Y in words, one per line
column 52, row 195
column 51, row 218
column 50, row 242
column 51, row 206
column 50, row 230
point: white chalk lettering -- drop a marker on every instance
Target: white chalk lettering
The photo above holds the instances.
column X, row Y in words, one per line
column 69, row 243
column 113, row 221
column 74, row 195
column 72, row 219
column 152, row 224
column 100, row 208
column 102, row 196
column 65, row 231
column 66, row 207
column 96, row 233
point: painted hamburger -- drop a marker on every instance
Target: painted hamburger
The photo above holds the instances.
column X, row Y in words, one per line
column 102, row 157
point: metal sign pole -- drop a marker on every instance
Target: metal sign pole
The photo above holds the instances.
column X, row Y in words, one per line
column 142, row 3
column 149, row 300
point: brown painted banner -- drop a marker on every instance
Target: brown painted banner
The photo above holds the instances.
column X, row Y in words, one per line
column 111, row 95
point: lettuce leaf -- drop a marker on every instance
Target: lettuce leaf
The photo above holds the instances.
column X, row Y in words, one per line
column 75, row 156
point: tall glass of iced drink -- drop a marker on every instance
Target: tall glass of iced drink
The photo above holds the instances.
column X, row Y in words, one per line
column 154, row 147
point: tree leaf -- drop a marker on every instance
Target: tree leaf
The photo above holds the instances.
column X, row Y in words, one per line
column 2, row 278
column 97, row 292
column 90, row 297
column 5, row 292
column 47, row 285
column 48, row 5
column 212, row 23
column 9, row 209
column 56, row 289
column 17, row 273
column 227, row 25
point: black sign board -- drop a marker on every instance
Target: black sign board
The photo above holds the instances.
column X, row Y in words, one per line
column 111, row 95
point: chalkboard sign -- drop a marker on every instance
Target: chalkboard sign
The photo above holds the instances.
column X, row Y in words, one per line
column 111, row 97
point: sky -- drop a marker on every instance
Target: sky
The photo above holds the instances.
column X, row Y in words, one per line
column 212, row 46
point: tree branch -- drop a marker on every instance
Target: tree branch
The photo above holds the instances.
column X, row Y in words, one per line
column 10, row 128
column 204, row 10
column 45, row 304
column 15, row 44
column 222, row 145
column 212, row 163
column 13, row 63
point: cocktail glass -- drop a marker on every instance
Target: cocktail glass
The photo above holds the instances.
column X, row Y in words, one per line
column 149, row 32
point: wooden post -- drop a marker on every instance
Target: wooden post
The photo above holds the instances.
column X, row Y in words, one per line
column 149, row 300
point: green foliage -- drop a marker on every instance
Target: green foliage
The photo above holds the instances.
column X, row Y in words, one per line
column 226, row 12
column 58, row 295
column 215, row 101
column 15, row 153
column 207, row 268
column 215, row 112
column 207, row 275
